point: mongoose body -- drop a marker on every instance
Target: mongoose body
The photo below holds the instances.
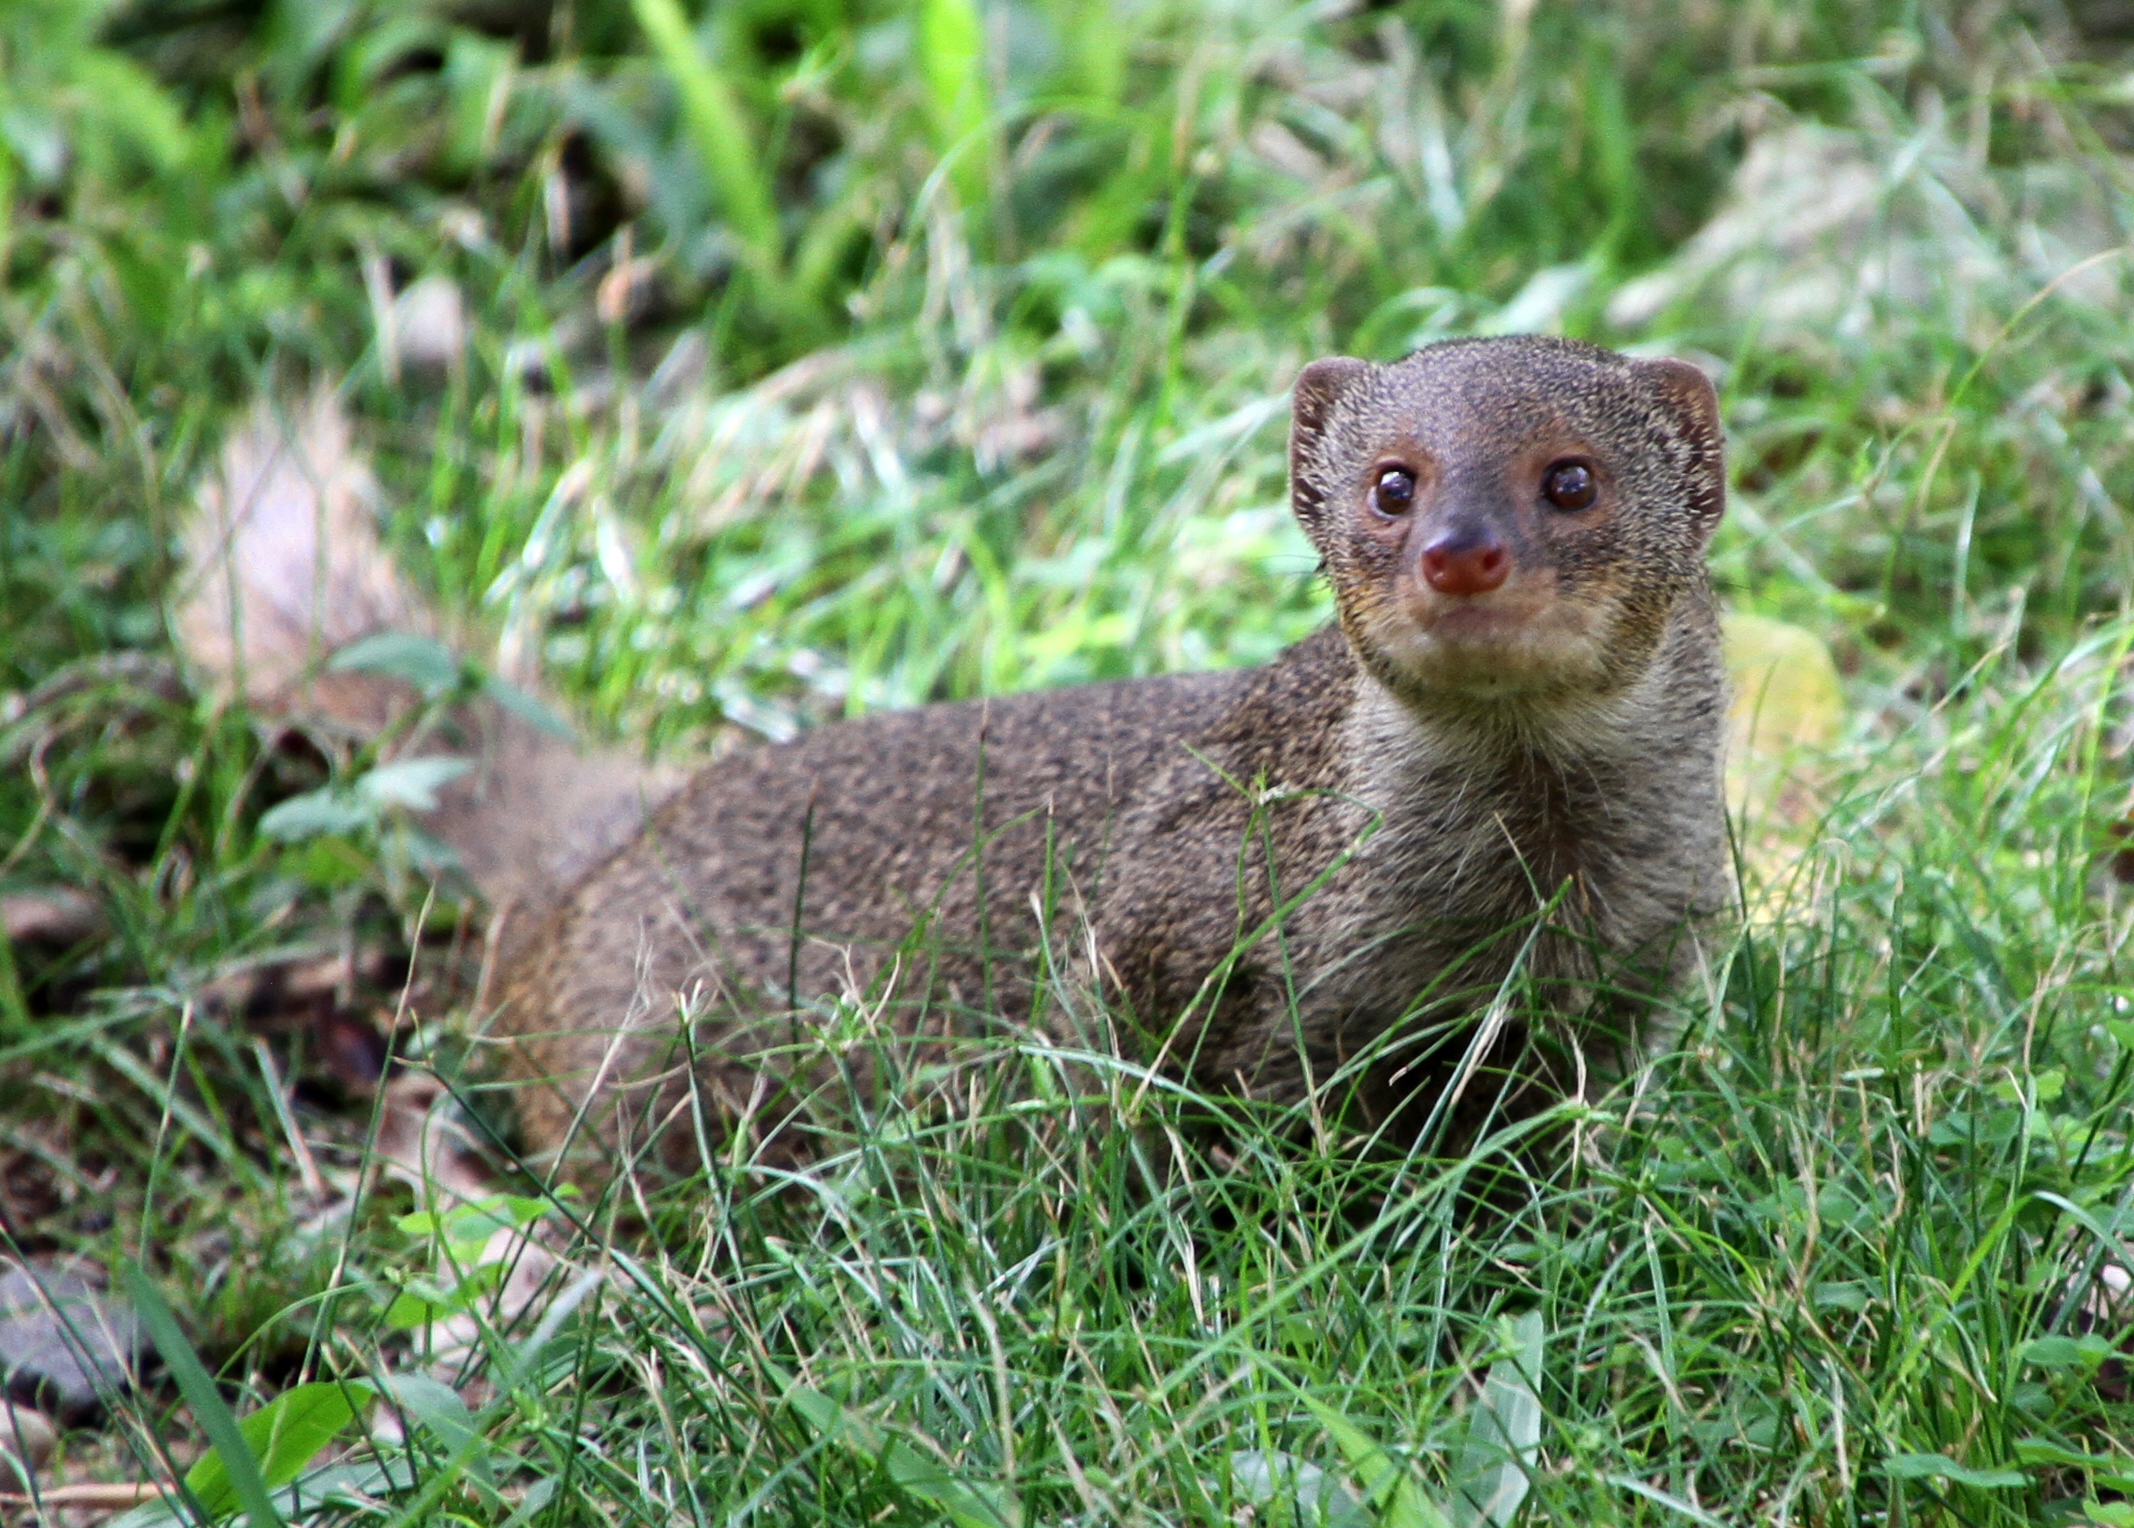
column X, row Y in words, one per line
column 1495, row 777
column 1504, row 755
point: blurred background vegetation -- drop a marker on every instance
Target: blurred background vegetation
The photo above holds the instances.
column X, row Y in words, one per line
column 1044, row 269
column 798, row 357
column 748, row 364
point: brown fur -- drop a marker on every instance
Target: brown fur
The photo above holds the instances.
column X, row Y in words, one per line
column 1464, row 785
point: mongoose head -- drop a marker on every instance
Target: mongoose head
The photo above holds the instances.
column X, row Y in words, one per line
column 1507, row 520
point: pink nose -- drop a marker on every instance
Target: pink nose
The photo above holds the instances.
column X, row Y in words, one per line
column 1464, row 564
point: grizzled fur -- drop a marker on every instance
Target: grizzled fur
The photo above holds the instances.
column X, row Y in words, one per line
column 1329, row 865
column 1435, row 791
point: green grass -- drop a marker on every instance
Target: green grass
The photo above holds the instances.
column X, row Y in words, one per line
column 996, row 401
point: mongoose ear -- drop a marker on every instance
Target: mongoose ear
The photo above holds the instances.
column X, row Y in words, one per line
column 1319, row 387
column 1695, row 406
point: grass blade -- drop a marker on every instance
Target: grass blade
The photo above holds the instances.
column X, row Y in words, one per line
column 1386, row 1482
column 720, row 133
column 952, row 62
column 967, row 1504
column 239, row 1463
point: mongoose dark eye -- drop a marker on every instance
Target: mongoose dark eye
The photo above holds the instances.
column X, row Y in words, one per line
column 1570, row 485
column 1394, row 492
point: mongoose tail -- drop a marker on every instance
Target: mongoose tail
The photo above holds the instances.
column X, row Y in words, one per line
column 284, row 569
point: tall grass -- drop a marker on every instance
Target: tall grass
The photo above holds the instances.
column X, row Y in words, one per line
column 825, row 358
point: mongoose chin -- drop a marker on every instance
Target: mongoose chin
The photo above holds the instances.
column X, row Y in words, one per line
column 1489, row 796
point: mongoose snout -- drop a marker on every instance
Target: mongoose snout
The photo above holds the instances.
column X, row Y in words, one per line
column 1496, row 777
column 1465, row 558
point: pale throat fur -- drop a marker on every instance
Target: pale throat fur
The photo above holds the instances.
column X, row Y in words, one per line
column 1549, row 741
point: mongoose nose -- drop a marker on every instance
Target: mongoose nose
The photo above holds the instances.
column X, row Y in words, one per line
column 1463, row 562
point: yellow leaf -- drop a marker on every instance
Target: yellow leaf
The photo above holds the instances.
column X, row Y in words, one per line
column 1787, row 706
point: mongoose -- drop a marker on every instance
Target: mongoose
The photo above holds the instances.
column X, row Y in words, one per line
column 1500, row 765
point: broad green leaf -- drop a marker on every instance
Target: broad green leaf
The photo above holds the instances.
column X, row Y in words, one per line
column 968, row 1503
column 1096, row 46
column 7, row 182
column 1503, row 1434
column 423, row 1301
column 467, row 1228
column 423, row 662
column 478, row 77
column 316, row 813
column 2046, row 1086
column 438, row 1407
column 526, row 708
column 1942, row 1467
column 823, row 1415
column 131, row 105
column 2112, row 1474
column 1290, row 1492
column 408, row 1310
column 331, row 861
column 354, row 1485
column 282, row 1436
column 1675, row 1505
column 412, row 783
column 530, row 1505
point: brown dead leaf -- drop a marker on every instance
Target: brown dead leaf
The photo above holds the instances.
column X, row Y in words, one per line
column 329, row 999
column 49, row 915
column 423, row 1141
column 107, row 1496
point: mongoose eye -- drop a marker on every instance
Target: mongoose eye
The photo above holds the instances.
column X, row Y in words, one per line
column 1570, row 485
column 1394, row 492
